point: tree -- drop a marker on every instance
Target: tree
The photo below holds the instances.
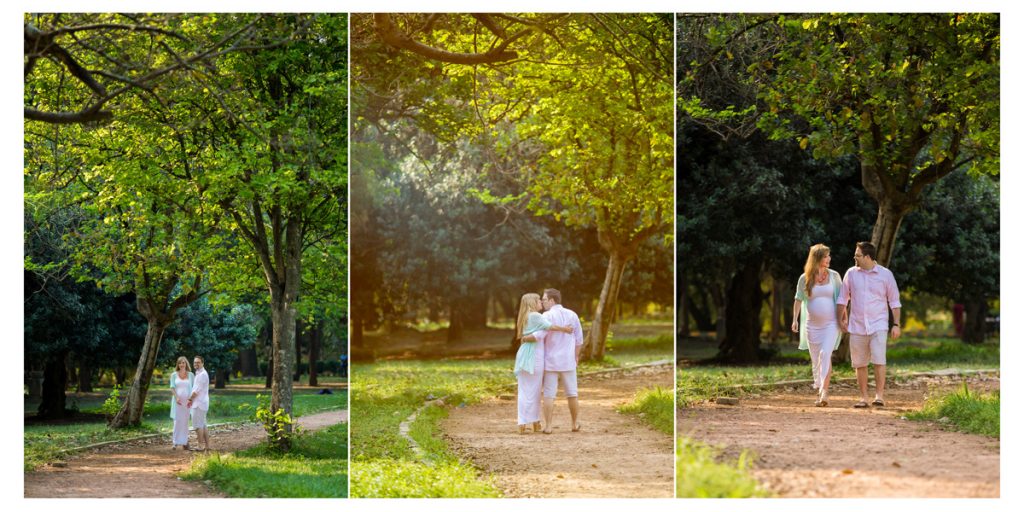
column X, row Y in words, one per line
column 282, row 173
column 912, row 96
column 578, row 109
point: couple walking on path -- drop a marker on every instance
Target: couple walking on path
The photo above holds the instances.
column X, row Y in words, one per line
column 190, row 398
column 550, row 339
column 859, row 304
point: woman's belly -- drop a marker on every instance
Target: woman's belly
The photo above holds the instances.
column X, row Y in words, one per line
column 821, row 312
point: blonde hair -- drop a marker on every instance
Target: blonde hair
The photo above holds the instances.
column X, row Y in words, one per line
column 528, row 304
column 180, row 359
column 814, row 257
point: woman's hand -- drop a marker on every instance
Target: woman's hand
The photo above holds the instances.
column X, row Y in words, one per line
column 796, row 326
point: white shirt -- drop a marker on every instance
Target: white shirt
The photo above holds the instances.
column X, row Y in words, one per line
column 201, row 387
column 560, row 347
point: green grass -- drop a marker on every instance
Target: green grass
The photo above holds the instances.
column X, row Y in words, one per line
column 655, row 406
column 315, row 467
column 385, row 393
column 703, row 382
column 43, row 443
column 700, row 475
column 632, row 351
column 383, row 463
column 963, row 410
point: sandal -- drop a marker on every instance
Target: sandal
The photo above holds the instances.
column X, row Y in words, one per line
column 878, row 403
column 536, row 426
column 860, row 405
column 577, row 427
column 522, row 429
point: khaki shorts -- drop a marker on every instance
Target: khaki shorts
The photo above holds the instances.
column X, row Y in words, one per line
column 568, row 379
column 869, row 347
column 198, row 418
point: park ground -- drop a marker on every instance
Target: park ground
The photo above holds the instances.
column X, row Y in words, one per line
column 459, row 415
column 777, row 443
column 82, row 458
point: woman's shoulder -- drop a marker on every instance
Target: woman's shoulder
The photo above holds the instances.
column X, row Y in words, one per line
column 534, row 314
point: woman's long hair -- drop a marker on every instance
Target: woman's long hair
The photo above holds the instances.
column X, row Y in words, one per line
column 528, row 304
column 814, row 257
column 188, row 367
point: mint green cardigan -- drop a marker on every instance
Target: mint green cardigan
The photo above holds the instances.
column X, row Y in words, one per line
column 801, row 295
column 524, row 357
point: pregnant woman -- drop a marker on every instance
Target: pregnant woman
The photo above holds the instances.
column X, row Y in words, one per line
column 181, row 387
column 814, row 316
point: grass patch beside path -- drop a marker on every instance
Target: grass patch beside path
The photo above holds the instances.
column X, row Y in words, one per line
column 384, row 394
column 699, row 475
column 316, row 467
column 655, row 406
column 963, row 410
column 43, row 442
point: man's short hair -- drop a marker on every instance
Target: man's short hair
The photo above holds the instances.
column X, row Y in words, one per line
column 867, row 249
column 554, row 295
column 199, row 358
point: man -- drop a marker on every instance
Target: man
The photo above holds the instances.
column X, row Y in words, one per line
column 872, row 290
column 199, row 402
column 561, row 355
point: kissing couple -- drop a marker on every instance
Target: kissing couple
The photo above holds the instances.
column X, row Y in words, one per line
column 550, row 339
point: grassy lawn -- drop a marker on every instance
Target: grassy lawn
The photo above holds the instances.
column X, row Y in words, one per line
column 963, row 410
column 700, row 475
column 698, row 382
column 44, row 442
column 655, row 406
column 385, row 393
column 316, row 467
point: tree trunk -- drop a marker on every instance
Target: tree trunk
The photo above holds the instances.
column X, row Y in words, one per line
column 682, row 308
column 301, row 335
column 84, row 376
column 474, row 312
column 55, row 382
column 975, row 311
column 248, row 363
column 777, row 307
column 282, row 314
column 743, row 316
column 135, row 400
column 718, row 298
column 314, row 352
column 221, row 379
column 594, row 343
column 454, row 323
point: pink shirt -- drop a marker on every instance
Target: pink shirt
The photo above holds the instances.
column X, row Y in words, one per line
column 873, row 292
column 560, row 347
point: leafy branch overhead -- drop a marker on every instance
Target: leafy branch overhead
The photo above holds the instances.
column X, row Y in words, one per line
column 96, row 59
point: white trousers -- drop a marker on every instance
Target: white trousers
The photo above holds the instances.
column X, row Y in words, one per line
column 530, row 386
column 821, row 342
column 180, row 436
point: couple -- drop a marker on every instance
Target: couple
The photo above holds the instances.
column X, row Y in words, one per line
column 858, row 304
column 549, row 350
column 190, row 394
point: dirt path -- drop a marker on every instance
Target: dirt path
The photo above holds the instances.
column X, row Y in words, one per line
column 615, row 455
column 148, row 468
column 842, row 452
